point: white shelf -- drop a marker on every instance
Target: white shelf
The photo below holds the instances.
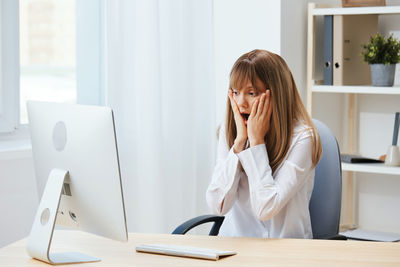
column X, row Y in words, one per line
column 357, row 10
column 379, row 168
column 356, row 89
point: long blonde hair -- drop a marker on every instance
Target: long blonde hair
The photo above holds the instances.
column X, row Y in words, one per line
column 287, row 109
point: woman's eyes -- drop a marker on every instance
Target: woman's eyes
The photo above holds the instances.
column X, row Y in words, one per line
column 253, row 94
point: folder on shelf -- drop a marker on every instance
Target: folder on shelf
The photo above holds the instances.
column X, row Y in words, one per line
column 350, row 32
column 328, row 49
column 352, row 158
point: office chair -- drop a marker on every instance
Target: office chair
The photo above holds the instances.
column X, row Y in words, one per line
column 325, row 203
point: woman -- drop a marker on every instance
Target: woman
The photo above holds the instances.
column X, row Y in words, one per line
column 267, row 153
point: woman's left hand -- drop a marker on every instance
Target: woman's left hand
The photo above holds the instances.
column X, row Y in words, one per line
column 259, row 120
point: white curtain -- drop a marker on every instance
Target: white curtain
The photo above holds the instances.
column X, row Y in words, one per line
column 160, row 83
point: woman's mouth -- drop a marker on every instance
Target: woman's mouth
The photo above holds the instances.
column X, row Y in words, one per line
column 245, row 117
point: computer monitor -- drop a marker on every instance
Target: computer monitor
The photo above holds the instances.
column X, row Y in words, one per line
column 78, row 176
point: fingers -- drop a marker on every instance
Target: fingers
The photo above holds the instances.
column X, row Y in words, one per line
column 234, row 106
column 261, row 105
column 235, row 109
column 254, row 108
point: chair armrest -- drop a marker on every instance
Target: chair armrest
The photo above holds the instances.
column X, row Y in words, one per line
column 336, row 237
column 188, row 225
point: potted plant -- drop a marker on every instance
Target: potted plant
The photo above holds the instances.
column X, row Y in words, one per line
column 382, row 54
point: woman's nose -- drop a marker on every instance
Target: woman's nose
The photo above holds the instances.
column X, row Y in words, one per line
column 242, row 102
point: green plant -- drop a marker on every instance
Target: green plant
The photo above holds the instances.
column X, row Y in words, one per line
column 381, row 50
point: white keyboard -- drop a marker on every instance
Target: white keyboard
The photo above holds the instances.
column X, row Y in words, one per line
column 184, row 251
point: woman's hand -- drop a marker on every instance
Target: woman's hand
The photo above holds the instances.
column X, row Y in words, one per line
column 241, row 130
column 259, row 120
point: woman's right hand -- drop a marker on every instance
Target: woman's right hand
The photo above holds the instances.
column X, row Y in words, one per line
column 241, row 130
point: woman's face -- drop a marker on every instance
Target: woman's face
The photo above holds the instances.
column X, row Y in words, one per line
column 246, row 96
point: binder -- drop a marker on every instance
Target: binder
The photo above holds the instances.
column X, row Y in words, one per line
column 350, row 32
column 328, row 49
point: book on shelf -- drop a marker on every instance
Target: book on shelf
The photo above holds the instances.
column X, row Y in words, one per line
column 353, row 158
column 350, row 32
column 328, row 50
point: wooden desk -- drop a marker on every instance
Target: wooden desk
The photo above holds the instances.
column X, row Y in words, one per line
column 251, row 252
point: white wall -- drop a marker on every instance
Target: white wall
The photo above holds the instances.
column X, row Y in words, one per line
column 293, row 44
column 18, row 198
column 239, row 27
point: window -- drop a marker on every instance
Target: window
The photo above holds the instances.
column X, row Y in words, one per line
column 47, row 52
column 9, row 67
column 61, row 55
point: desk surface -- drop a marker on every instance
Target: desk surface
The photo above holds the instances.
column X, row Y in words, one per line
column 251, row 252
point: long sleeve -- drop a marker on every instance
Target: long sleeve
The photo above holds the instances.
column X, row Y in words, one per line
column 270, row 194
column 222, row 191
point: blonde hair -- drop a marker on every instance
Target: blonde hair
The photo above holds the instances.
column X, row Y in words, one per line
column 287, row 108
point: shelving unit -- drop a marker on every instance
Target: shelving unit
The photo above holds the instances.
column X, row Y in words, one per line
column 379, row 10
column 351, row 93
column 379, row 168
column 343, row 89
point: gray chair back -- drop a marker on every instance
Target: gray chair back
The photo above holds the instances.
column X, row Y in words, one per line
column 325, row 203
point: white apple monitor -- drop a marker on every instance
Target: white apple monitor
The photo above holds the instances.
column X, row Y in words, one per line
column 78, row 176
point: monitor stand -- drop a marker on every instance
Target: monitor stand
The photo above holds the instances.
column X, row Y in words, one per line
column 40, row 237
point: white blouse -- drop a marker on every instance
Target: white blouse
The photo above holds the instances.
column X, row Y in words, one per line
column 257, row 203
